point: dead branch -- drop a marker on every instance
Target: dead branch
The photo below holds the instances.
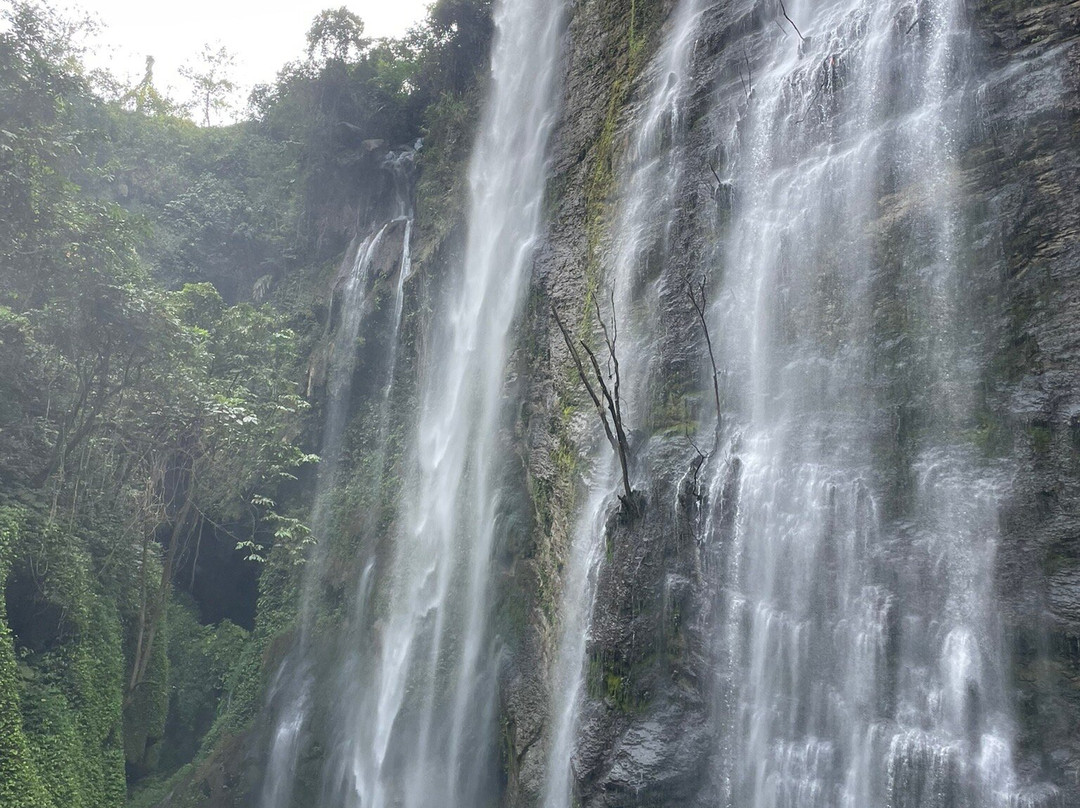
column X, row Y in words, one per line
column 698, row 300
column 747, row 81
column 699, row 461
column 813, row 98
column 585, row 379
column 616, row 417
column 611, row 417
column 783, row 10
column 719, row 182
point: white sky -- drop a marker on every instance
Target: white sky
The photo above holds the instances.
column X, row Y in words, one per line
column 262, row 35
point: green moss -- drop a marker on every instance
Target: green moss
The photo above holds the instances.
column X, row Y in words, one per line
column 990, row 434
column 442, row 189
column 616, row 682
column 628, row 56
column 674, row 410
column 1041, row 437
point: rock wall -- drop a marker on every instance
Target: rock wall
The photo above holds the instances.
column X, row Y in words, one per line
column 647, row 734
column 1023, row 168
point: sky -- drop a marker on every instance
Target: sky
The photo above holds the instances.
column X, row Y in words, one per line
column 262, row 35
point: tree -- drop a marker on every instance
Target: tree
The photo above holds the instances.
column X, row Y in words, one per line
column 145, row 98
column 211, row 85
column 336, row 34
column 214, row 433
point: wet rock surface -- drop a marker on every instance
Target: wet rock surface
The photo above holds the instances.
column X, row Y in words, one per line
column 647, row 736
column 1024, row 168
column 1064, row 596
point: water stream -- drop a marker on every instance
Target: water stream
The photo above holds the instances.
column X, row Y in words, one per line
column 851, row 518
column 862, row 653
column 290, row 694
column 421, row 710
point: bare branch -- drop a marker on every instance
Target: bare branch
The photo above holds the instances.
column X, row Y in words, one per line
column 616, row 416
column 698, row 462
column 698, row 300
column 610, row 395
column 585, row 378
column 813, row 98
column 793, row 25
column 748, row 82
column 693, row 445
column 613, row 359
column 719, row 181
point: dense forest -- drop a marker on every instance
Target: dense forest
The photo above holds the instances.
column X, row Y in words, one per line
column 160, row 295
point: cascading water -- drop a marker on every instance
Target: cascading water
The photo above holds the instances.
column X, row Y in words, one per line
column 291, row 691
column 855, row 516
column 645, row 217
column 420, row 722
column 401, row 164
column 290, row 695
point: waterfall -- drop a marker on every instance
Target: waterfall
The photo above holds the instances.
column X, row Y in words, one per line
column 420, row 716
column 645, row 215
column 401, row 165
column 861, row 652
column 843, row 588
column 290, row 696
column 290, row 692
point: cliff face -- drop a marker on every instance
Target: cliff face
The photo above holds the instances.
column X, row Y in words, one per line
column 1021, row 166
column 649, row 728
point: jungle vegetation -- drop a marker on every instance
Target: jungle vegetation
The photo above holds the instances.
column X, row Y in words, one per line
column 156, row 313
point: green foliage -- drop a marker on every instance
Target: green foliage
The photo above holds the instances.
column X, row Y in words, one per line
column 20, row 783
column 149, row 385
column 146, row 708
column 336, row 34
column 210, row 81
column 136, row 419
column 201, row 660
column 69, row 671
column 145, row 99
column 353, row 97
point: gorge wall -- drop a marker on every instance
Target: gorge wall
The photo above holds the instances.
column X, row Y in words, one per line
column 650, row 725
